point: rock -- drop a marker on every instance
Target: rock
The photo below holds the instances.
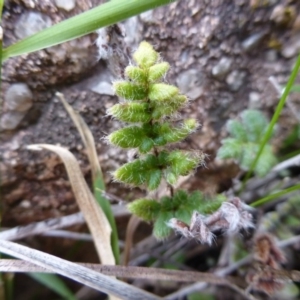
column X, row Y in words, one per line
column 148, row 17
column 206, row 30
column 271, row 55
column 18, row 97
column 66, row 5
column 252, row 41
column 30, row 23
column 254, row 100
column 113, row 48
column 11, row 120
column 221, row 68
column 8, row 176
column 103, row 88
column 189, row 83
column 235, row 79
column 296, row 25
column 283, row 15
column 292, row 47
column 131, row 32
column 176, row 31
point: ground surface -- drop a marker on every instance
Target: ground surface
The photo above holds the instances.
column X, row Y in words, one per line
column 221, row 55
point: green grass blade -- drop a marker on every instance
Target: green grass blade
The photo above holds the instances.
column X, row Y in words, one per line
column 1, row 8
column 275, row 117
column 104, row 15
column 1, row 41
column 275, row 195
column 54, row 283
column 9, row 285
column 105, row 205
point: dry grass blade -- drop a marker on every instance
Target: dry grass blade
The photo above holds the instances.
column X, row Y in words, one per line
column 86, row 137
column 13, row 265
column 76, row 272
column 45, row 226
column 65, row 234
column 93, row 214
column 136, row 272
column 130, row 230
column 98, row 183
column 36, row 228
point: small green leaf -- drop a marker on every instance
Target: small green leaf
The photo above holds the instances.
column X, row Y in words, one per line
column 168, row 108
column 130, row 90
column 162, row 92
column 158, row 71
column 171, row 178
column 265, row 162
column 167, row 203
column 246, row 142
column 208, row 206
column 133, row 173
column 162, row 159
column 160, row 229
column 152, row 161
column 248, row 155
column 159, row 141
column 139, row 172
column 145, row 56
column 136, row 74
column 183, row 215
column 255, row 124
column 182, row 163
column 180, row 197
column 146, row 209
column 154, row 179
column 237, row 130
column 146, row 145
column 231, row 148
column 150, row 128
column 190, row 124
column 133, row 112
column 128, row 137
column 173, row 135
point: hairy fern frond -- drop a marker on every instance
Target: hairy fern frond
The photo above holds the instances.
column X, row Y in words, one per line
column 180, row 206
column 147, row 105
column 245, row 142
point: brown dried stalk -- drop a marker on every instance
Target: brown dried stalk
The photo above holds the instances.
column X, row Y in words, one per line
column 76, row 272
column 12, row 265
column 93, row 213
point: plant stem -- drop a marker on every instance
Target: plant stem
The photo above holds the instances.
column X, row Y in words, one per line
column 275, row 195
column 274, row 119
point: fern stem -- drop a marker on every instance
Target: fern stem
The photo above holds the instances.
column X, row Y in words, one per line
column 172, row 190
